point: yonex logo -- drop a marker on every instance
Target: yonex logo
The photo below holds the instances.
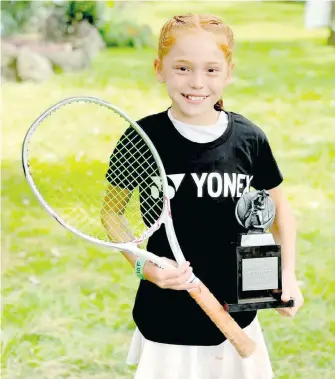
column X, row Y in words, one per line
column 174, row 182
column 216, row 184
column 213, row 185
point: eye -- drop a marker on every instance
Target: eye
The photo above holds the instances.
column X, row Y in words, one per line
column 213, row 70
column 182, row 68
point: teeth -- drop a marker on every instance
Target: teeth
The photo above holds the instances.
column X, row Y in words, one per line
column 195, row 98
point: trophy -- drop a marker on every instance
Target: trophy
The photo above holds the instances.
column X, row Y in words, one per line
column 258, row 257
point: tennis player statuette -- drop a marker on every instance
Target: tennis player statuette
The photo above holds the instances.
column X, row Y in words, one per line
column 258, row 257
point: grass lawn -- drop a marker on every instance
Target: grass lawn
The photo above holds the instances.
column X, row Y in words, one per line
column 67, row 304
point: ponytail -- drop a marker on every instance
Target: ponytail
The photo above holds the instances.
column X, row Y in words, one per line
column 219, row 105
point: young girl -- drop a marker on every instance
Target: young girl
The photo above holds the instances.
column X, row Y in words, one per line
column 211, row 156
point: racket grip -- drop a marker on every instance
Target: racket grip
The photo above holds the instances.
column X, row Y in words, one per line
column 244, row 345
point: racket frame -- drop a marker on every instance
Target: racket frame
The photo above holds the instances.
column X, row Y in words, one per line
column 165, row 217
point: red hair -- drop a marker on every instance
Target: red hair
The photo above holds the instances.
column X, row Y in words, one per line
column 191, row 21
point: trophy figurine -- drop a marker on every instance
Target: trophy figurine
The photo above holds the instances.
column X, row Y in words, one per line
column 258, row 257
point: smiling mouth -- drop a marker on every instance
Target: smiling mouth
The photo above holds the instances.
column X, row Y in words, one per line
column 195, row 98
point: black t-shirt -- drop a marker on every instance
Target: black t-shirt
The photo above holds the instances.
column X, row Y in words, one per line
column 207, row 179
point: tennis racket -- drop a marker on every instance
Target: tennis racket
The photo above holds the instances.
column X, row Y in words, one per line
column 99, row 175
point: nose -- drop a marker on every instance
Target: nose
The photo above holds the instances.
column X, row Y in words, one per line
column 197, row 80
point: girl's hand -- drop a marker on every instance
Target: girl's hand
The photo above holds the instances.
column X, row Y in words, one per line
column 175, row 279
column 290, row 290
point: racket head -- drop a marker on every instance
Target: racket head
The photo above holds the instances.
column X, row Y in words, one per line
column 78, row 162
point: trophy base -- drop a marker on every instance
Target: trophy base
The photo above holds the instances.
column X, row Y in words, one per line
column 259, row 274
column 257, row 304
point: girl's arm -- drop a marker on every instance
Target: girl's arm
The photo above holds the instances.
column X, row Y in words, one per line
column 116, row 226
column 284, row 229
column 284, row 233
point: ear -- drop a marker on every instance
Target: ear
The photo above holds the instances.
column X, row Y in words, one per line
column 229, row 79
column 158, row 70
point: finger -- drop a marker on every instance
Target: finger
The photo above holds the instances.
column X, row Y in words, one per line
column 185, row 277
column 285, row 296
column 282, row 312
column 174, row 282
column 288, row 312
column 175, row 273
column 170, row 261
column 298, row 302
column 180, row 280
column 186, row 286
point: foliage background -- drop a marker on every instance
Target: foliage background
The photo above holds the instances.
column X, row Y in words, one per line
column 67, row 304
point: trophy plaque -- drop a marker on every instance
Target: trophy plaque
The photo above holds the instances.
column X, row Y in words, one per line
column 258, row 257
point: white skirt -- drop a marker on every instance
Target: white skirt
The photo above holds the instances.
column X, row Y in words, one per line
column 163, row 361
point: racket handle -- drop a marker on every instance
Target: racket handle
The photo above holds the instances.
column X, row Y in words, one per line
column 244, row 345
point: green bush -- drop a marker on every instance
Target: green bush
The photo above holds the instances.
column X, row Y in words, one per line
column 15, row 14
column 127, row 34
column 113, row 20
column 83, row 10
column 64, row 14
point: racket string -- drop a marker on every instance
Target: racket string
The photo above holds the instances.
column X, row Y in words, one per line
column 147, row 166
column 73, row 175
column 147, row 212
column 121, row 156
